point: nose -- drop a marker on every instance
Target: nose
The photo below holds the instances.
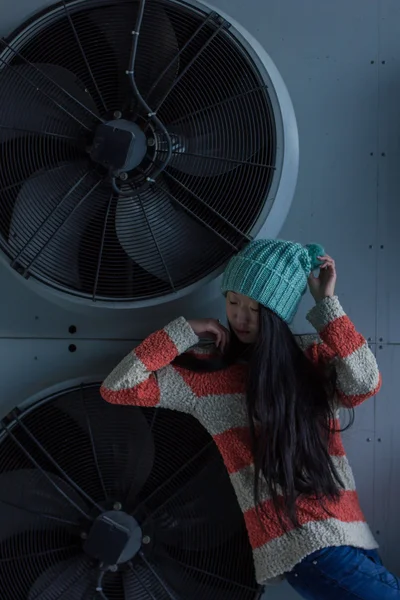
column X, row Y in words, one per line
column 242, row 319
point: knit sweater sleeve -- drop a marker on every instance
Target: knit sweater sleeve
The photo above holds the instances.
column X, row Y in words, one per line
column 135, row 380
column 358, row 376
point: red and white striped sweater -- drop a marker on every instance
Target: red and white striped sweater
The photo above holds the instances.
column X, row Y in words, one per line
column 147, row 378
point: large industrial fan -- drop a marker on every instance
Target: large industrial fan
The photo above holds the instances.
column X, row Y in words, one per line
column 116, row 503
column 142, row 144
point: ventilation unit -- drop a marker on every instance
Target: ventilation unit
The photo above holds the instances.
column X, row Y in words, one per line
column 134, row 503
column 142, row 144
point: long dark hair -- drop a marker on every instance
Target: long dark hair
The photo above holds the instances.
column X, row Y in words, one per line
column 291, row 413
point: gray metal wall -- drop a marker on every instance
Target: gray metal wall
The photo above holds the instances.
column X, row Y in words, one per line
column 341, row 63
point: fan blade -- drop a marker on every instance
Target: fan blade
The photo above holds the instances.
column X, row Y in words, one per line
column 151, row 582
column 195, row 582
column 213, row 142
column 28, row 101
column 164, row 578
column 72, row 578
column 29, row 500
column 39, row 230
column 161, row 238
column 157, row 47
column 121, row 445
column 203, row 514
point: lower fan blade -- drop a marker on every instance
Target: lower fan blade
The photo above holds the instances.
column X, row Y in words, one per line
column 157, row 47
column 121, row 443
column 73, row 578
column 150, row 582
column 29, row 500
column 162, row 239
column 214, row 142
column 23, row 108
column 203, row 514
column 195, row 582
column 39, row 230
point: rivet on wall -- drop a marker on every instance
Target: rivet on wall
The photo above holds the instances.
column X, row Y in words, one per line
column 72, row 329
column 72, row 348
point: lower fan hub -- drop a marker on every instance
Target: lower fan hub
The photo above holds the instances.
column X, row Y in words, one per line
column 114, row 538
column 119, row 145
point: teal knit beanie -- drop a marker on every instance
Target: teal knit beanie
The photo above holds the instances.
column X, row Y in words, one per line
column 274, row 273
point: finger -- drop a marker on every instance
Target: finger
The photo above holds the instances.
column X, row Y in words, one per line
column 223, row 342
column 325, row 257
column 218, row 339
column 327, row 260
column 328, row 264
column 214, row 327
column 227, row 340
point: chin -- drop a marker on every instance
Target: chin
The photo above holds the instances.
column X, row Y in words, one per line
column 247, row 338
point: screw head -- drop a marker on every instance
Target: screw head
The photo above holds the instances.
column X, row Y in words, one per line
column 113, row 568
column 84, row 535
column 123, row 176
column 117, row 506
column 151, row 142
column 146, row 539
column 117, row 114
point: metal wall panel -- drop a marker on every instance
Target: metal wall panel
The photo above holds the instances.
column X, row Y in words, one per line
column 387, row 458
column 27, row 367
column 388, row 288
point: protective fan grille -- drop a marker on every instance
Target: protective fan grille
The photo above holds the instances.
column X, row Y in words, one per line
column 63, row 75
column 73, row 457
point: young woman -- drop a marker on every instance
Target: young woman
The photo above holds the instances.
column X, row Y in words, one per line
column 271, row 403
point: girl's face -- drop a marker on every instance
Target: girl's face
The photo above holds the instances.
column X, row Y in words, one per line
column 243, row 316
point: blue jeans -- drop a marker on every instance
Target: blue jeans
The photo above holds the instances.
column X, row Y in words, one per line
column 344, row 573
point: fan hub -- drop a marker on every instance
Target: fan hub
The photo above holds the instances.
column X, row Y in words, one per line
column 115, row 538
column 119, row 145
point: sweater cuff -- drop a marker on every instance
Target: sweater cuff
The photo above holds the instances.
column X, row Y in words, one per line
column 325, row 312
column 182, row 335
